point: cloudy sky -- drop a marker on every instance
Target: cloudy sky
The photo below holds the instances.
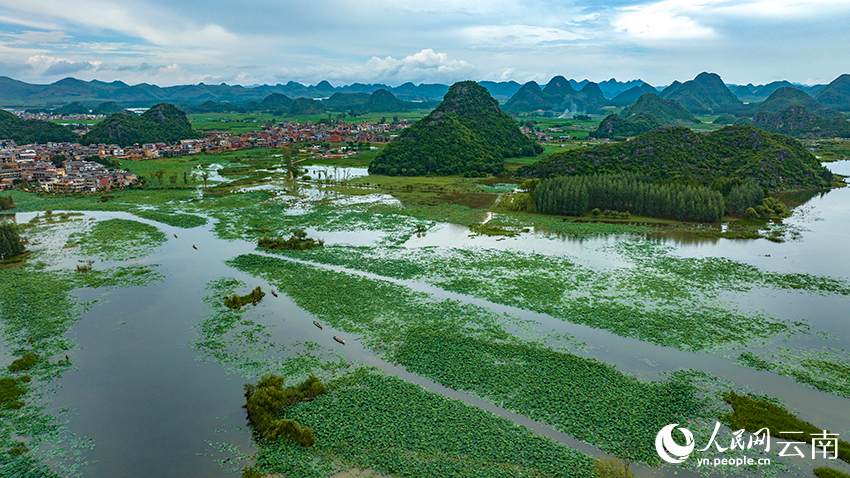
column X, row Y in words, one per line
column 394, row 41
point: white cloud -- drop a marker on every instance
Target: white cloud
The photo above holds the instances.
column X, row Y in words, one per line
column 666, row 20
column 137, row 19
column 38, row 37
column 424, row 61
column 519, row 35
column 424, row 66
column 53, row 66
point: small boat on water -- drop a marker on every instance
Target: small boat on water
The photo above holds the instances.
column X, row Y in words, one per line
column 317, row 324
column 175, row 236
column 274, row 293
column 339, row 340
column 194, row 246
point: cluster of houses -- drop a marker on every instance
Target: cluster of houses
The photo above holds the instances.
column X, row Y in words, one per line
column 70, row 176
column 34, row 163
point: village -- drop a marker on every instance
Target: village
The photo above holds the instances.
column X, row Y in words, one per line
column 35, row 163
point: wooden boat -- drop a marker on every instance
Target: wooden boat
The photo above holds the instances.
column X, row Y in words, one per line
column 317, row 324
column 194, row 246
column 175, row 236
column 274, row 293
column 339, row 340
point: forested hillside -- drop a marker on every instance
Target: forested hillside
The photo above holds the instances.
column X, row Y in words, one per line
column 775, row 161
column 466, row 133
column 162, row 123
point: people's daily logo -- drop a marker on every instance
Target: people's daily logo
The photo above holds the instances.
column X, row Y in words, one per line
column 668, row 449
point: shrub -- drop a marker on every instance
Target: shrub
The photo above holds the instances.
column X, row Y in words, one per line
column 237, row 302
column 267, row 398
column 24, row 363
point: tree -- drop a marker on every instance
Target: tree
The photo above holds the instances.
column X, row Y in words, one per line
column 10, row 241
column 58, row 159
column 173, row 180
column 206, row 176
column 291, row 166
column 6, row 202
column 158, row 174
column 185, row 178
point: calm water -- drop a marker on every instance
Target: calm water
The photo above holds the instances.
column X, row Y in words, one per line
column 153, row 407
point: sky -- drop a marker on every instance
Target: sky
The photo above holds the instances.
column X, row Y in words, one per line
column 164, row 42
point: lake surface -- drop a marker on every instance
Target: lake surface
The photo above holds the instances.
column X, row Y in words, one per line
column 154, row 407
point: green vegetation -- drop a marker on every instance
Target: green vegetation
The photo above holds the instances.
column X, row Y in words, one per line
column 573, row 394
column 753, row 414
column 575, row 195
column 162, row 123
column 119, row 239
column 797, row 121
column 466, row 133
column 24, row 363
column 33, row 131
column 370, row 420
column 659, row 297
column 774, row 161
column 607, row 467
column 266, row 399
column 825, row 370
column 824, row 472
column 305, row 106
column 836, row 94
column 298, row 241
column 6, row 203
column 185, row 221
column 558, row 96
column 725, row 119
column 704, row 94
column 669, row 112
column 108, row 108
column 11, row 389
column 787, row 96
column 236, row 301
column 616, row 127
column 74, row 108
column 10, row 241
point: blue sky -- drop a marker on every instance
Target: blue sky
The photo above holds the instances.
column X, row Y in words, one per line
column 434, row 41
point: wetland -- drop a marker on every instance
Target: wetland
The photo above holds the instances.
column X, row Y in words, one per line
column 465, row 353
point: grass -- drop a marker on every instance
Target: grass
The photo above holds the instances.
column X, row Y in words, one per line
column 824, row 472
column 753, row 414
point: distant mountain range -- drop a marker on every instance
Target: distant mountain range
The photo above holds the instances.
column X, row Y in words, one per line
column 91, row 93
column 706, row 93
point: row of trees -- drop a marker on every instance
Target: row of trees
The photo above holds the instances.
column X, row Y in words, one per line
column 10, row 241
column 575, row 195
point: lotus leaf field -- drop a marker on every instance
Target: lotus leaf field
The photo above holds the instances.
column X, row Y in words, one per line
column 372, row 420
column 119, row 239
